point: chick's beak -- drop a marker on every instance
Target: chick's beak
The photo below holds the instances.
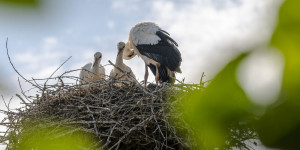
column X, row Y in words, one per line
column 119, row 51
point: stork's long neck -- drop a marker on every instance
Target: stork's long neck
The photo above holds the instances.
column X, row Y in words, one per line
column 119, row 59
column 95, row 66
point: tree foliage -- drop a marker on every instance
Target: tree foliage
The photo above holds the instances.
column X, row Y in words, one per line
column 224, row 103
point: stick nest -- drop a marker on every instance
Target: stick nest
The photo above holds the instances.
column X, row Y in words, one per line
column 126, row 117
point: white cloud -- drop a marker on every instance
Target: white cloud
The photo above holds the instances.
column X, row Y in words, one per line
column 86, row 56
column 50, row 41
column 68, row 31
column 126, row 6
column 97, row 39
column 40, row 61
column 111, row 24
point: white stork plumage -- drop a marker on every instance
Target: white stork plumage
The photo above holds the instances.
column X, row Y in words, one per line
column 158, row 50
column 116, row 73
column 92, row 71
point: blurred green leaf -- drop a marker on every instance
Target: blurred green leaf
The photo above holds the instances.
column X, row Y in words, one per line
column 215, row 110
column 280, row 126
column 53, row 135
column 20, row 1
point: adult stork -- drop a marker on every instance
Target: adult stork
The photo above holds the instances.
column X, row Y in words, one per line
column 92, row 71
column 116, row 72
column 158, row 50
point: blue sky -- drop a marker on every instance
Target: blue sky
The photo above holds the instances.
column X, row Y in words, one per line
column 209, row 34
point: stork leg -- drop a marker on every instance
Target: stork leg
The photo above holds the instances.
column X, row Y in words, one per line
column 146, row 76
column 157, row 75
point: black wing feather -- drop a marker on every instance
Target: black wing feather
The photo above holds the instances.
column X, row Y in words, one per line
column 164, row 31
column 165, row 52
column 165, row 37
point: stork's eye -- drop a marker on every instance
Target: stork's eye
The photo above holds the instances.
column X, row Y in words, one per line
column 130, row 55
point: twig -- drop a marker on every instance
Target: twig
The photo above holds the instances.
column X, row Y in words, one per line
column 16, row 69
column 91, row 114
column 22, row 99
column 201, row 80
column 128, row 132
column 23, row 93
column 6, row 105
column 56, row 70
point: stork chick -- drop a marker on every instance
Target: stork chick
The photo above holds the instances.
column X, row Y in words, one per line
column 157, row 49
column 92, row 71
column 116, row 73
